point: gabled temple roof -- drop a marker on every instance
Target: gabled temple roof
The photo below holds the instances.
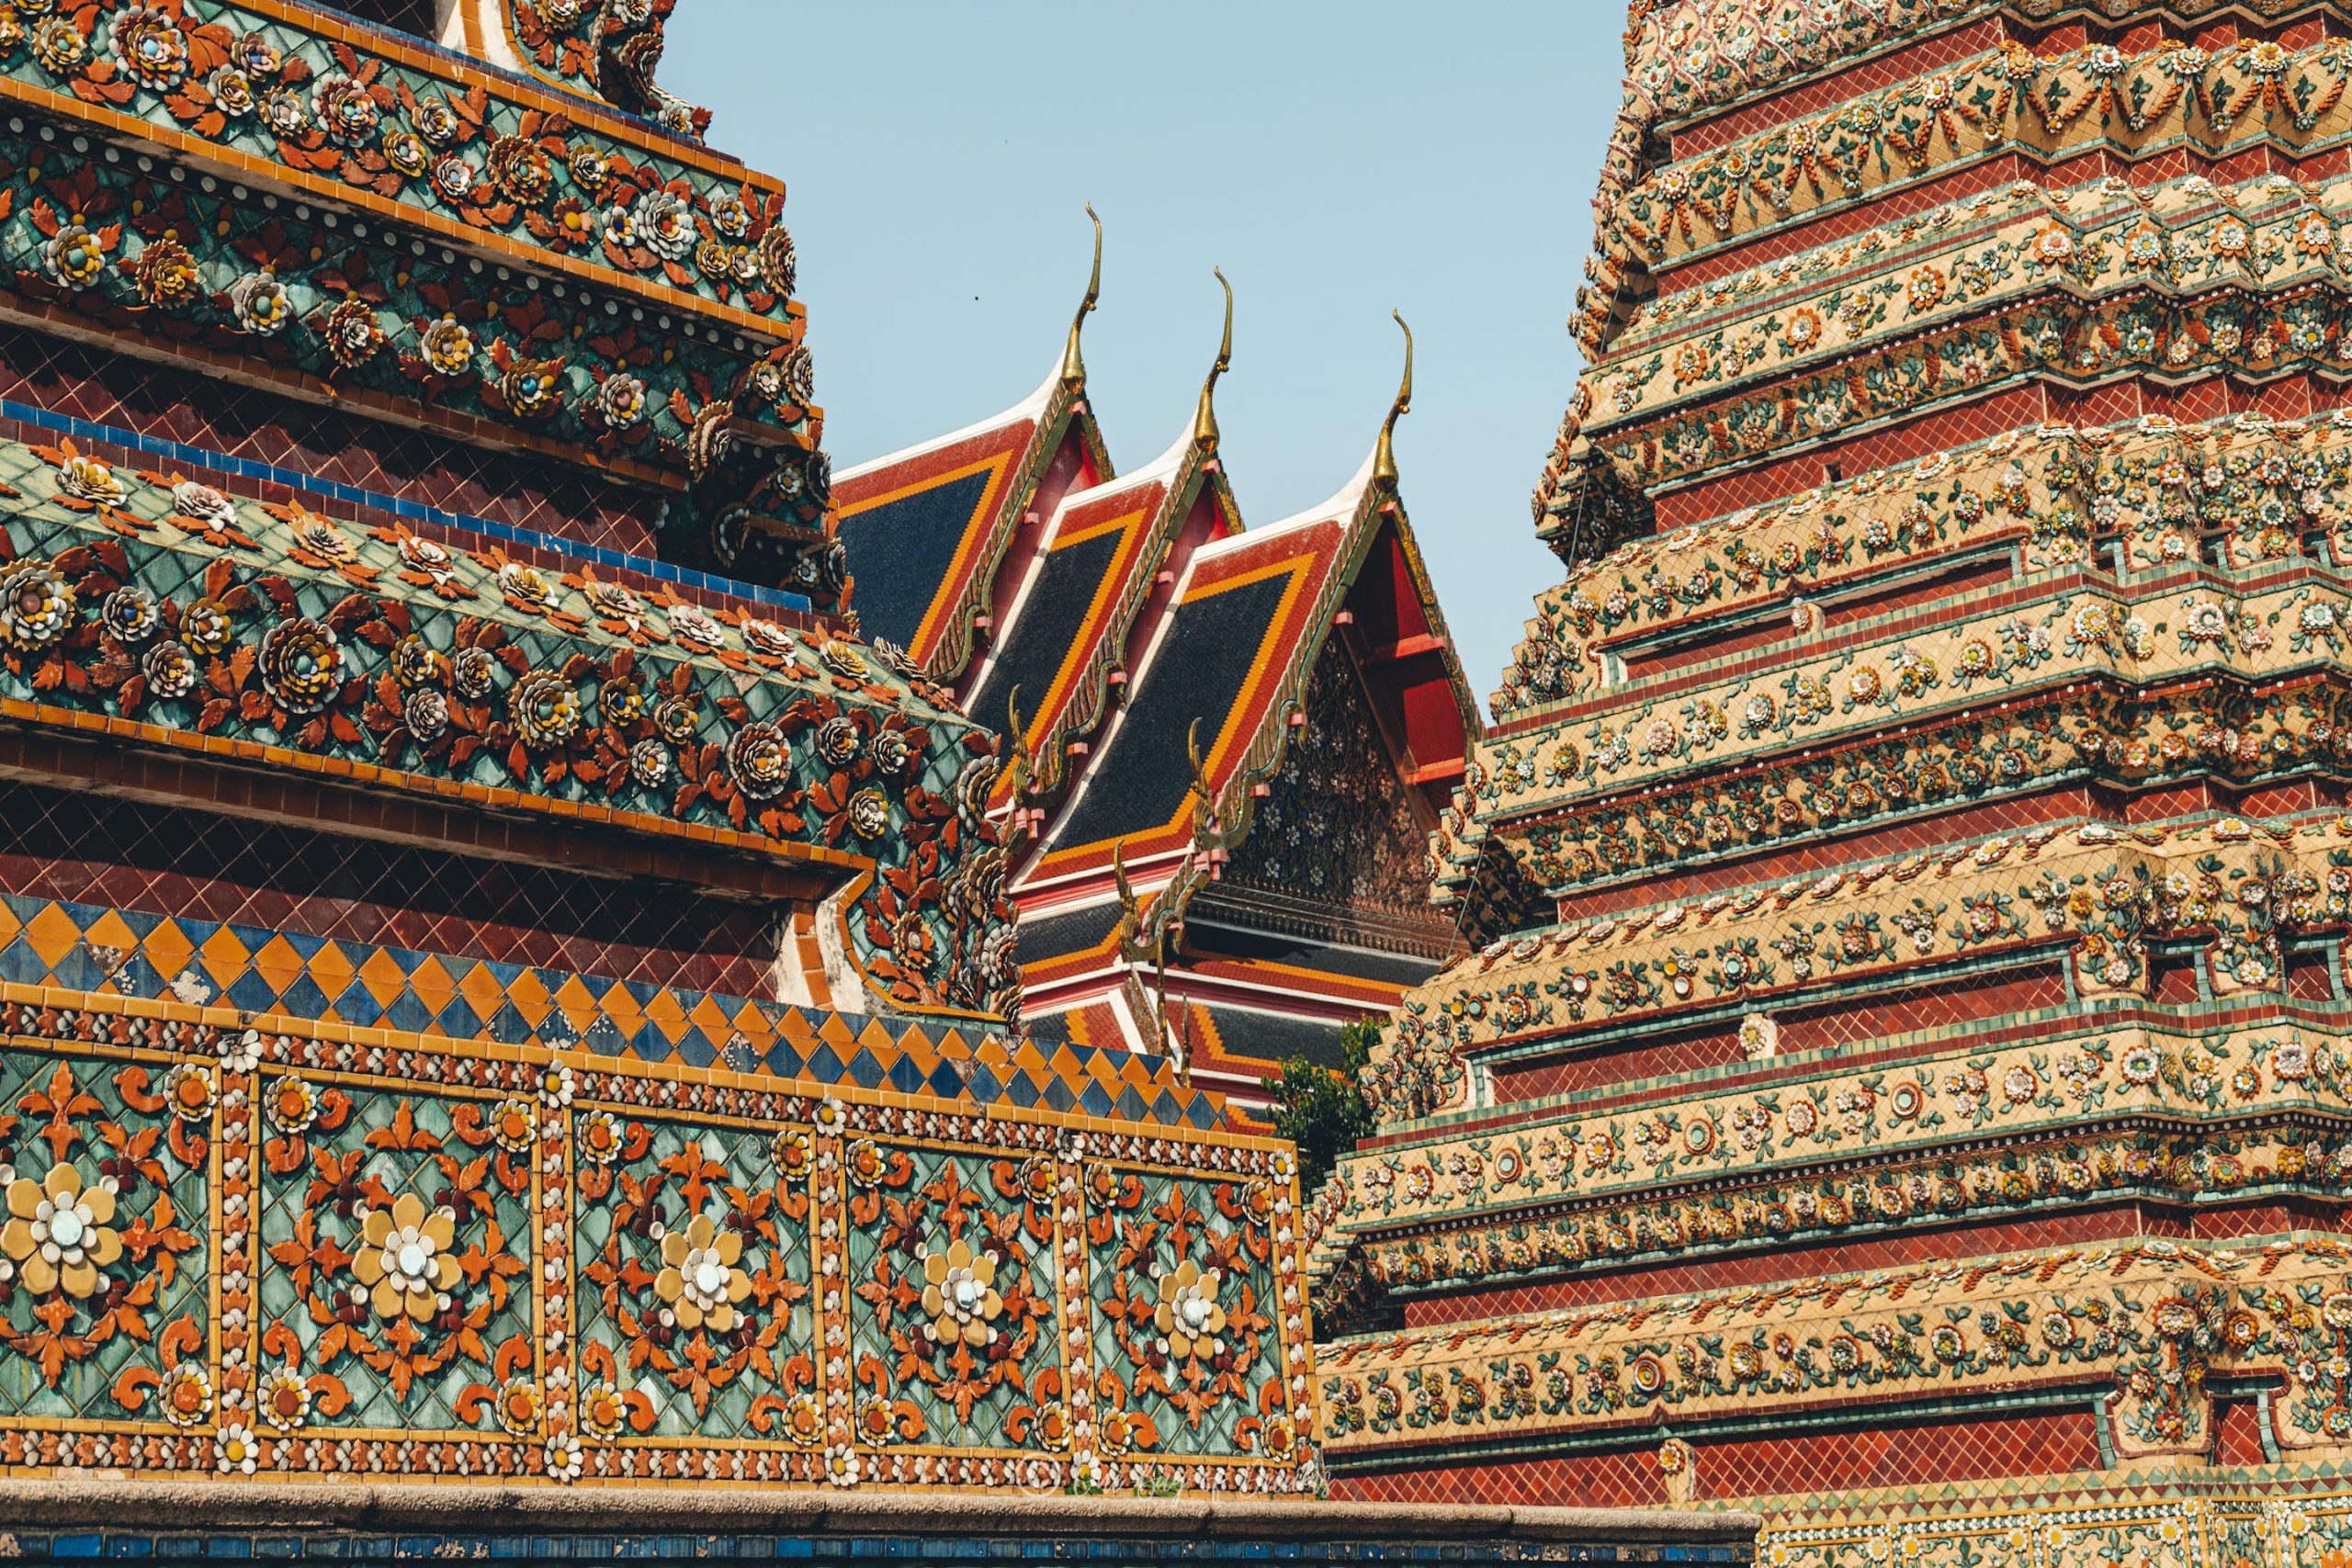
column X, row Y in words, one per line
column 928, row 529
column 1160, row 659
column 1218, row 658
column 1232, row 651
column 1128, row 919
column 1070, row 624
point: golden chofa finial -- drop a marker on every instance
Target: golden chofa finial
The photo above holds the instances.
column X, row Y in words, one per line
column 1384, row 457
column 1204, row 420
column 1073, row 362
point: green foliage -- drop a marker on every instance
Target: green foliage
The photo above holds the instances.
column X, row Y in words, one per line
column 1321, row 1110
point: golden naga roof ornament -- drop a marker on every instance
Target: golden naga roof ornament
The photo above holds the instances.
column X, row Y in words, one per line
column 1384, row 456
column 1019, row 766
column 1073, row 362
column 1204, row 420
column 1204, row 798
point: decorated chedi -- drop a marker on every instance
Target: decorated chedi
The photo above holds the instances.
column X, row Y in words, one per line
column 498, row 981
column 1902, row 1082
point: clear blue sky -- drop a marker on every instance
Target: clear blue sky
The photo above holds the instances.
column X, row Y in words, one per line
column 1336, row 157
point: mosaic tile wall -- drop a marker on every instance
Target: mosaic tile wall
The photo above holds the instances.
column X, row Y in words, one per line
column 316, row 1251
column 160, row 414
column 271, row 973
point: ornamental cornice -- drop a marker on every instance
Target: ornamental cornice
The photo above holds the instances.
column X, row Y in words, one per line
column 2172, row 241
column 191, row 265
column 152, row 604
column 2249, row 330
column 2009, row 100
column 2130, row 739
column 1966, row 1183
column 1684, row 57
column 264, row 90
column 2098, row 894
column 2161, row 489
column 186, row 268
column 1958, row 1099
column 1759, row 946
column 2129, row 637
column 2141, row 1324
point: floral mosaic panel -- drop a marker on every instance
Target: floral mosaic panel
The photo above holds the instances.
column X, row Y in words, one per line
column 1196, row 1281
column 693, row 1265
column 105, row 1260
column 952, row 1301
column 552, row 1266
column 394, row 1231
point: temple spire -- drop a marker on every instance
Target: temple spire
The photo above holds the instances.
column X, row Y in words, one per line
column 1204, row 435
column 1073, row 362
column 1384, row 457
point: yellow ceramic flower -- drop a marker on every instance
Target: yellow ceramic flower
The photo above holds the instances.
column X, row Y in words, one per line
column 405, row 1260
column 60, row 1233
column 1189, row 1316
column 701, row 1282
column 959, row 1296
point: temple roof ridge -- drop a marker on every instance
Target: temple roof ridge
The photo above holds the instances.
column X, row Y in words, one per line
column 1339, row 506
column 1168, row 470
column 1377, row 470
column 1169, row 463
column 1030, row 407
